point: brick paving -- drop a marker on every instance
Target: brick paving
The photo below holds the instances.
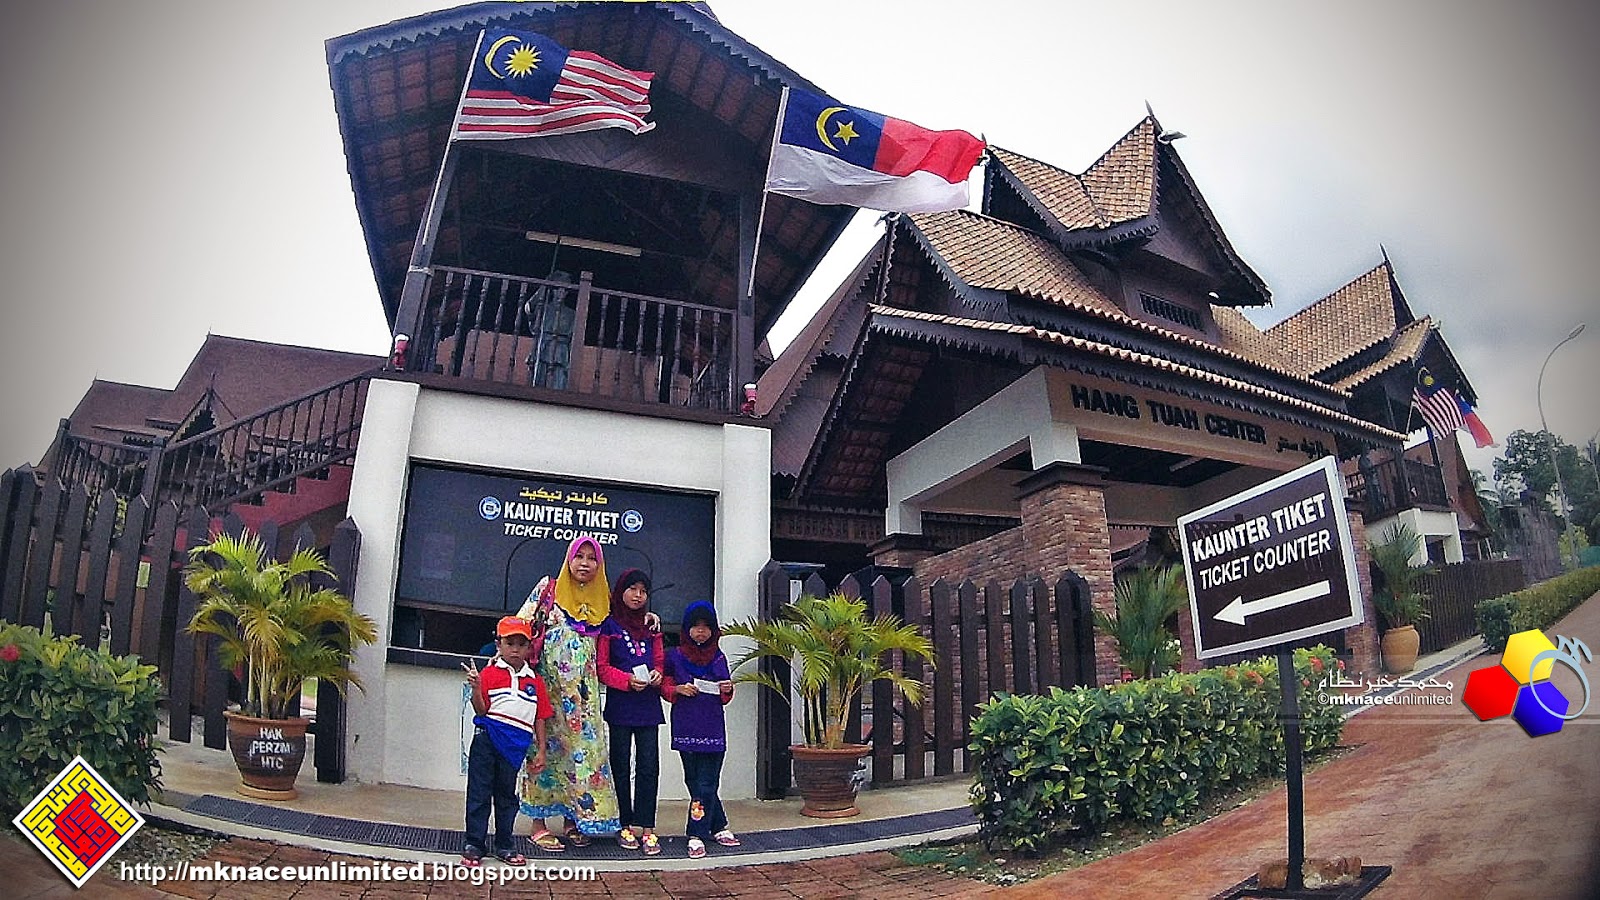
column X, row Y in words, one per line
column 1462, row 810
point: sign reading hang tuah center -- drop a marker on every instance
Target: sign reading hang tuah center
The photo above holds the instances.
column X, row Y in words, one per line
column 1272, row 564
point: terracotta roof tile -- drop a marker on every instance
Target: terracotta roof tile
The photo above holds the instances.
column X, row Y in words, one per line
column 1062, row 194
column 990, row 254
column 1240, row 335
column 1340, row 325
column 1407, row 348
column 1142, row 359
column 1119, row 187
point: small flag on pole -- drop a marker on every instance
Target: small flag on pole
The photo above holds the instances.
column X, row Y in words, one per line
column 526, row 85
column 826, row 152
column 1445, row 411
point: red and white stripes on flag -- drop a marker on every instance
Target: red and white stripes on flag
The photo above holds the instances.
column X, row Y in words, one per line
column 527, row 85
column 1439, row 409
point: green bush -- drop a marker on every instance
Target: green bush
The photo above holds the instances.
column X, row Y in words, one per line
column 1140, row 751
column 1545, row 603
column 1494, row 620
column 58, row 700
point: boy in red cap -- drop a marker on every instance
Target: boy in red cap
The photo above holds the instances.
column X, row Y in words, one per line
column 511, row 705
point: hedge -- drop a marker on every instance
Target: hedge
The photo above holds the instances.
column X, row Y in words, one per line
column 1139, row 751
column 1538, row 607
column 58, row 700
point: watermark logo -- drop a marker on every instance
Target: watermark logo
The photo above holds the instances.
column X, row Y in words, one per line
column 632, row 521
column 78, row 821
column 1520, row 686
column 489, row 508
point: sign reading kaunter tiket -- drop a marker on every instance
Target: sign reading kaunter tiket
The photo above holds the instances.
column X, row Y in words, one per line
column 1272, row 564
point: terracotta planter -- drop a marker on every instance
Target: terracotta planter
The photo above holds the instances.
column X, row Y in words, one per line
column 826, row 779
column 1399, row 646
column 269, row 753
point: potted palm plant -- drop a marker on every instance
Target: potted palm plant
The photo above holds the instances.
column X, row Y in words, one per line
column 1397, row 595
column 834, row 651
column 280, row 629
column 1146, row 598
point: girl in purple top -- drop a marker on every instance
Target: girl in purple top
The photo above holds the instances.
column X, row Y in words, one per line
column 699, row 733
column 633, row 707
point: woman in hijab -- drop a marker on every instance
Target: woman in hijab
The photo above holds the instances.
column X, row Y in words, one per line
column 576, row 782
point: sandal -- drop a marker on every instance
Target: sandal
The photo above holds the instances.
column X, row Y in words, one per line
column 697, row 848
column 627, row 840
column 725, row 838
column 578, row 838
column 511, row 857
column 471, row 857
column 547, row 842
column 652, row 844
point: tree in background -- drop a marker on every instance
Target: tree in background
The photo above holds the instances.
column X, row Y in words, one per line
column 1524, row 465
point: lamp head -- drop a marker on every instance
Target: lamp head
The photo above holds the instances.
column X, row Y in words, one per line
column 1577, row 331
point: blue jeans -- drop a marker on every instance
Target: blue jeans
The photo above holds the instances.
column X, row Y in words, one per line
column 491, row 780
column 702, row 775
column 636, row 801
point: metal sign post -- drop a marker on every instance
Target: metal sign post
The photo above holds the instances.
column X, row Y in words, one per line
column 1267, row 567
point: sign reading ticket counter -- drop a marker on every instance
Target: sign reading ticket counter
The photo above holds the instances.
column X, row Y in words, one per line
column 1272, row 564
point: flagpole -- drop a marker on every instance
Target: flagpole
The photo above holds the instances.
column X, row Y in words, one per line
column 419, row 270
column 761, row 217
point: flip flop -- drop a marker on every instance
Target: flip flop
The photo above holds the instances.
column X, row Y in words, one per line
column 578, row 838
column 725, row 838
column 548, row 842
column 652, row 844
column 511, row 858
column 472, row 858
column 627, row 840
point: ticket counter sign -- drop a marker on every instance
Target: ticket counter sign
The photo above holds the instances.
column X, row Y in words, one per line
column 1272, row 564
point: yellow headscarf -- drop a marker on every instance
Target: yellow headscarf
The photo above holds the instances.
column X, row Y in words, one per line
column 590, row 603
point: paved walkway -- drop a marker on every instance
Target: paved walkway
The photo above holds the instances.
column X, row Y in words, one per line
column 1460, row 809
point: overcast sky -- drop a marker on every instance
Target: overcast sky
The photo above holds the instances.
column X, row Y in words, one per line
column 173, row 168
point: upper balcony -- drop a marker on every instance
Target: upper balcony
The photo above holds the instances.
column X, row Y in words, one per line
column 496, row 329
column 1388, row 487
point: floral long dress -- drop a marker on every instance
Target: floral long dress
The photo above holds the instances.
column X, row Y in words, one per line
column 576, row 782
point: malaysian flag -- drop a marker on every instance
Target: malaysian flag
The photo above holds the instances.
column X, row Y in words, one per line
column 525, row 85
column 1445, row 411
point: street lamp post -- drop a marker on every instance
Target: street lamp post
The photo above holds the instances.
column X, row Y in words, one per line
column 1561, row 488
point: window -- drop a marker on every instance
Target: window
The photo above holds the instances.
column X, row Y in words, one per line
column 1172, row 312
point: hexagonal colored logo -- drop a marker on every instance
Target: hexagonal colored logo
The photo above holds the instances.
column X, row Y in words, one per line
column 1520, row 685
column 78, row 821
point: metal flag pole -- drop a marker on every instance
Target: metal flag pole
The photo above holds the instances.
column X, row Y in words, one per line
column 761, row 217
column 418, row 271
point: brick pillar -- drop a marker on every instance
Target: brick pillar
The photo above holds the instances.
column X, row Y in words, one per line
column 901, row 550
column 1064, row 528
column 1187, row 660
column 1362, row 640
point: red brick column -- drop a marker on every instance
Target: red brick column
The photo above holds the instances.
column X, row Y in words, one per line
column 901, row 550
column 1064, row 528
column 1362, row 640
column 1187, row 660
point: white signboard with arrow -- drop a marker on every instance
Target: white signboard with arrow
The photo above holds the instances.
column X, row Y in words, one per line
column 1272, row 564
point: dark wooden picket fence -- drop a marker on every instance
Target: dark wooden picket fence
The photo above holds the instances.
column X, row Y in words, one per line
column 68, row 561
column 1025, row 638
column 1454, row 591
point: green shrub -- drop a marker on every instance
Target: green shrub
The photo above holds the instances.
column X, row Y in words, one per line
column 1545, row 603
column 58, row 700
column 1494, row 620
column 1140, row 751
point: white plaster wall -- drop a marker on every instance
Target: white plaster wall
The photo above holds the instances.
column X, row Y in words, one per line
column 405, row 729
column 1432, row 525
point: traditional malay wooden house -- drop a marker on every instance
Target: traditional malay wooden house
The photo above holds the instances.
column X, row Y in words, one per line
column 1033, row 394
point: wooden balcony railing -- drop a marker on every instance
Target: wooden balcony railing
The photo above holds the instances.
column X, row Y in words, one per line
column 1387, row 487
column 490, row 327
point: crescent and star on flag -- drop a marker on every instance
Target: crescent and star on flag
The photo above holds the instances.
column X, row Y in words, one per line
column 847, row 130
column 524, row 58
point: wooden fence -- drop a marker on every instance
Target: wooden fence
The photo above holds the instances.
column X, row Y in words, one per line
column 1454, row 591
column 1025, row 638
column 67, row 561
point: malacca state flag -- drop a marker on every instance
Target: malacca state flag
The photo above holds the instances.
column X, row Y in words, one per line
column 826, row 152
column 523, row 84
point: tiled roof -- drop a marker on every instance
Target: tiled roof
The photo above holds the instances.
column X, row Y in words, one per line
column 251, row 376
column 1145, row 360
column 1240, row 335
column 990, row 254
column 1119, row 187
column 777, row 385
column 1407, row 348
column 1342, row 324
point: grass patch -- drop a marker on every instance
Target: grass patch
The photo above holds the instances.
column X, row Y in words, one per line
column 969, row 858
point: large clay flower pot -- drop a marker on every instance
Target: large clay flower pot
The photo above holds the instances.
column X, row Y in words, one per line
column 1399, row 646
column 268, row 753
column 826, row 779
